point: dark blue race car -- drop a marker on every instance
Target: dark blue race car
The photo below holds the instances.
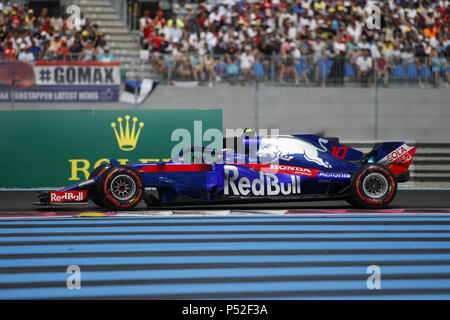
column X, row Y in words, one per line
column 285, row 167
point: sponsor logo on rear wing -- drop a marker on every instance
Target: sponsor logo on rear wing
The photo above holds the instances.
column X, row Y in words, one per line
column 400, row 159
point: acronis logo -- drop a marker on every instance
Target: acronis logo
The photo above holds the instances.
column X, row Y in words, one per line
column 335, row 175
column 127, row 138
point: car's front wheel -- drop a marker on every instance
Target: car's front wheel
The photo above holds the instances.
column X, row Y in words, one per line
column 93, row 190
column 373, row 186
column 120, row 187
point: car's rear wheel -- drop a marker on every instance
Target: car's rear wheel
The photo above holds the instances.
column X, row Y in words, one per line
column 373, row 186
column 120, row 187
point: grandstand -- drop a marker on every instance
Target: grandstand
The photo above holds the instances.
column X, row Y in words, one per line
column 323, row 40
column 303, row 42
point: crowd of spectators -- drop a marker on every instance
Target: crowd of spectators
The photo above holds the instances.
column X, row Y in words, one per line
column 27, row 36
column 227, row 37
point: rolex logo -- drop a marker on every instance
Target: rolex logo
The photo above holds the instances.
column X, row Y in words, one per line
column 127, row 139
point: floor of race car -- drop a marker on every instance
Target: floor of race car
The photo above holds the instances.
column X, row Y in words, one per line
column 307, row 250
column 409, row 199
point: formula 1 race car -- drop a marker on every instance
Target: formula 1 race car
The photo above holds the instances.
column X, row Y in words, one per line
column 283, row 167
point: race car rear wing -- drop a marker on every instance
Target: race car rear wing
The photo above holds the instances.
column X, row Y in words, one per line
column 397, row 156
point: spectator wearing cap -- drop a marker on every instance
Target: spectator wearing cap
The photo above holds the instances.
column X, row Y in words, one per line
column 99, row 39
column 407, row 55
column 4, row 15
column 30, row 20
column 48, row 52
column 364, row 44
column 56, row 42
column 25, row 55
column 159, row 20
column 46, row 26
column 175, row 26
column 312, row 19
column 85, row 37
column 15, row 20
column 144, row 21
column 388, row 46
column 148, row 34
column 63, row 52
column 106, row 55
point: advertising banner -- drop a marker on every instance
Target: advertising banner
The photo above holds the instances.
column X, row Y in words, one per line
column 67, row 82
column 51, row 149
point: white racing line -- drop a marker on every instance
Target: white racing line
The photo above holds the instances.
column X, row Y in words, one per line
column 284, row 212
column 159, row 213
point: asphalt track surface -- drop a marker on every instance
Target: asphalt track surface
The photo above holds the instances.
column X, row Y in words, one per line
column 310, row 250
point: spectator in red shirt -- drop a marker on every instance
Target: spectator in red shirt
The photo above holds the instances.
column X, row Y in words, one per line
column 147, row 33
column 15, row 20
column 159, row 20
column 144, row 21
column 9, row 52
column 156, row 42
column 63, row 52
column 46, row 25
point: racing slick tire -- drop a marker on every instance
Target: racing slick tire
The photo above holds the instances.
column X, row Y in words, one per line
column 120, row 187
column 373, row 187
column 93, row 190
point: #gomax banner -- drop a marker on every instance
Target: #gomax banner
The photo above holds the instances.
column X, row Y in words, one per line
column 70, row 82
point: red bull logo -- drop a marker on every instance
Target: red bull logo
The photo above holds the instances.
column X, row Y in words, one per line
column 68, row 196
column 267, row 184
